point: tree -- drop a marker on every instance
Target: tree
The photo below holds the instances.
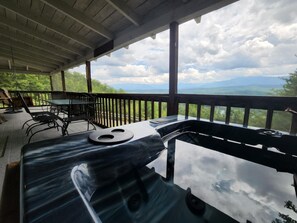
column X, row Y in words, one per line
column 290, row 87
column 286, row 218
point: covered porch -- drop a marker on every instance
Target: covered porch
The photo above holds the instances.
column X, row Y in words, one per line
column 47, row 37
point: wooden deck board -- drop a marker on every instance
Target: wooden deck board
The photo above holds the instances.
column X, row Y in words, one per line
column 17, row 137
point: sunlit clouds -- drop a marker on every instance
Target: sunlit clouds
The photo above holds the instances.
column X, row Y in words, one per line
column 246, row 38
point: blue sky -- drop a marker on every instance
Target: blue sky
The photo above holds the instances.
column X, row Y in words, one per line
column 247, row 38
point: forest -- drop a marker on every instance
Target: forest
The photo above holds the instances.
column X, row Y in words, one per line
column 75, row 82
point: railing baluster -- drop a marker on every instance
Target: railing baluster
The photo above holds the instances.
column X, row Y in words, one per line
column 145, row 110
column 228, row 114
column 125, row 112
column 134, row 115
column 106, row 113
column 153, row 109
column 160, row 109
column 139, row 110
column 269, row 116
column 246, row 116
column 187, row 109
column 100, row 111
column 198, row 111
column 116, row 112
column 112, row 111
column 211, row 115
column 120, row 111
column 129, row 111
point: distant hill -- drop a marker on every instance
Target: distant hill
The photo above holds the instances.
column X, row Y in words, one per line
column 76, row 82
column 253, row 90
column 237, row 86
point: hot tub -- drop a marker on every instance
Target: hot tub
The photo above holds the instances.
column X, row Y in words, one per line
column 172, row 170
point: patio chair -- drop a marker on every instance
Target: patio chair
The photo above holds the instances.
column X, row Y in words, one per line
column 39, row 119
column 13, row 104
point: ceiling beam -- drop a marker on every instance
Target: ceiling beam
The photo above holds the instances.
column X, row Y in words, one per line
column 10, row 5
column 18, row 71
column 41, row 36
column 28, row 56
column 127, row 12
column 32, row 48
column 33, row 65
column 79, row 17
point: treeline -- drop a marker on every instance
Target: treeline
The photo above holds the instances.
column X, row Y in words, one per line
column 75, row 82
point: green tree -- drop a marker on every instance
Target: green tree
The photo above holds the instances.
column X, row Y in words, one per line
column 290, row 87
column 29, row 82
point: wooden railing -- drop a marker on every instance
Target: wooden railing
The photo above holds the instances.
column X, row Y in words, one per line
column 268, row 107
column 254, row 111
column 119, row 109
column 38, row 97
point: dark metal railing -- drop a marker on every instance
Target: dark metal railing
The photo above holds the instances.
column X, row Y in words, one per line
column 119, row 109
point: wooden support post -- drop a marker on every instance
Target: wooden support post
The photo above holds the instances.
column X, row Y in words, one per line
column 172, row 108
column 51, row 82
column 88, row 76
column 63, row 81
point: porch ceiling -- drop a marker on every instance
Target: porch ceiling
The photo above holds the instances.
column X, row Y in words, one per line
column 46, row 36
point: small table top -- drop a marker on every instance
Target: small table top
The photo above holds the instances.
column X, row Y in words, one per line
column 68, row 101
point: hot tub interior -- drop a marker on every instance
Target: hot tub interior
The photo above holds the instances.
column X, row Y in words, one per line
column 206, row 172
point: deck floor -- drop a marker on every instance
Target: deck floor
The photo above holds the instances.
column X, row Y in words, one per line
column 11, row 132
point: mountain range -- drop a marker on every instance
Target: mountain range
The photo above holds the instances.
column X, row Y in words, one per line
column 260, row 85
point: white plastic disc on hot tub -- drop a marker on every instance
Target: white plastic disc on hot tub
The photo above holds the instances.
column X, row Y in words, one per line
column 111, row 136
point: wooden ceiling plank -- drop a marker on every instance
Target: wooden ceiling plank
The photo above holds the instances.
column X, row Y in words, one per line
column 29, row 63
column 19, row 71
column 16, row 44
column 29, row 56
column 27, row 14
column 36, row 44
column 43, row 57
column 79, row 17
column 41, row 36
column 126, row 11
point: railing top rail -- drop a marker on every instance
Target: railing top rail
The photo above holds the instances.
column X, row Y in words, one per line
column 257, row 102
column 134, row 96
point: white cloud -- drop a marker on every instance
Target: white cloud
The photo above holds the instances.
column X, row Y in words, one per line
column 247, row 38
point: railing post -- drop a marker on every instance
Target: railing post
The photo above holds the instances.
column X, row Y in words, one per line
column 172, row 108
column 88, row 76
column 63, row 81
column 51, row 82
